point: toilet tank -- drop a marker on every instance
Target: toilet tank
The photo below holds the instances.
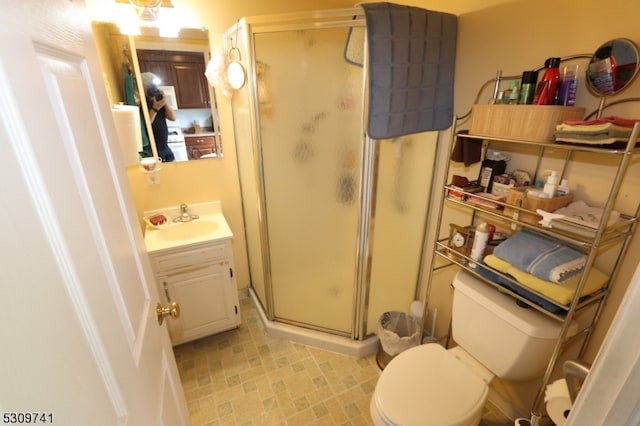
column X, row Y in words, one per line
column 515, row 343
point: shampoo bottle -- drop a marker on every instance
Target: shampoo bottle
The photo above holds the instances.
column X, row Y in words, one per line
column 568, row 86
column 547, row 87
column 551, row 186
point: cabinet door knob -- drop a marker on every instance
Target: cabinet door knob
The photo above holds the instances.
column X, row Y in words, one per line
column 173, row 311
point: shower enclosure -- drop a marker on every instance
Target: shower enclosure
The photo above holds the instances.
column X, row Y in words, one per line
column 335, row 221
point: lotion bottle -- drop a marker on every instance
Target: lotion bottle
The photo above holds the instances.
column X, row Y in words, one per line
column 551, row 186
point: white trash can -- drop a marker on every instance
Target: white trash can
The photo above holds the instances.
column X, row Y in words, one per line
column 397, row 332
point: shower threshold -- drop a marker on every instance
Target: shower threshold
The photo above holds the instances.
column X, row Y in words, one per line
column 316, row 339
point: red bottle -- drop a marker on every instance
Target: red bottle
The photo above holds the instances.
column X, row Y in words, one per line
column 546, row 89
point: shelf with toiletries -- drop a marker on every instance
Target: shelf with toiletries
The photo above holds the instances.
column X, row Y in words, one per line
column 500, row 208
column 570, row 231
column 602, row 241
column 575, row 234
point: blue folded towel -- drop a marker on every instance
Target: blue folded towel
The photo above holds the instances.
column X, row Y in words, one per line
column 539, row 256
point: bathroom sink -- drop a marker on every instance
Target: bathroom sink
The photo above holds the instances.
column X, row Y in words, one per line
column 187, row 230
column 210, row 226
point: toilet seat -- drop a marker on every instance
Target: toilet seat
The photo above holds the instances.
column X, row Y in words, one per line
column 427, row 385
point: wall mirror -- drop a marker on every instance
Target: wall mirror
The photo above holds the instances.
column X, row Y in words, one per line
column 179, row 62
column 612, row 68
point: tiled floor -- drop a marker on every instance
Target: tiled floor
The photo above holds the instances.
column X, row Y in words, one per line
column 245, row 377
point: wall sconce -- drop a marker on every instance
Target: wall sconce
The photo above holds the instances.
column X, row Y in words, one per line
column 147, row 10
column 133, row 16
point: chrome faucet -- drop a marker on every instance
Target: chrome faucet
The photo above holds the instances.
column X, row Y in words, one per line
column 185, row 216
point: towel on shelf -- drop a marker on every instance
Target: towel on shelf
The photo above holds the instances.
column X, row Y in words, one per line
column 467, row 151
column 618, row 121
column 600, row 131
column 562, row 294
column 411, row 68
column 581, row 213
column 541, row 257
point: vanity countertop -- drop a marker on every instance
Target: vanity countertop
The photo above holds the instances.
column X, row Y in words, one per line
column 210, row 226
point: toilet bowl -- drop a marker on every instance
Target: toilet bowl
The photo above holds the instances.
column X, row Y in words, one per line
column 429, row 385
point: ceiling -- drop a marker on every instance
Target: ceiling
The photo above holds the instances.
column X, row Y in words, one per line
column 219, row 15
column 457, row 7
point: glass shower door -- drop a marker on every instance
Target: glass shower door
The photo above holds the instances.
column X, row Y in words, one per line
column 310, row 120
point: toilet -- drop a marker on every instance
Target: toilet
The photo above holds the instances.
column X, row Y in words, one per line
column 430, row 385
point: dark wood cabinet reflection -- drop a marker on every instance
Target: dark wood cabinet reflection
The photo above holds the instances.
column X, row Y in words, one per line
column 200, row 146
column 183, row 70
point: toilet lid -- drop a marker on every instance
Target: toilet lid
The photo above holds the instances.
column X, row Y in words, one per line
column 427, row 385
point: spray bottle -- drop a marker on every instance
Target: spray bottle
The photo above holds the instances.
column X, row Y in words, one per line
column 547, row 87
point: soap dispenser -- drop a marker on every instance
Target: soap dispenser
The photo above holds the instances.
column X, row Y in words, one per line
column 552, row 184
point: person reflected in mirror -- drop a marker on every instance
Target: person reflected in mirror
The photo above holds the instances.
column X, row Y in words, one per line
column 159, row 112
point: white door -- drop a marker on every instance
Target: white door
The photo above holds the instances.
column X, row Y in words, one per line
column 80, row 344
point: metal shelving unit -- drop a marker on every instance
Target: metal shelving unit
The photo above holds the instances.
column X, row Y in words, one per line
column 590, row 245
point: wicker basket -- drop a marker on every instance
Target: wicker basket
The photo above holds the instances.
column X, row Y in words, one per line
column 521, row 198
column 534, row 123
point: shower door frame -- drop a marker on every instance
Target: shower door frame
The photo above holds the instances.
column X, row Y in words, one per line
column 369, row 160
column 338, row 18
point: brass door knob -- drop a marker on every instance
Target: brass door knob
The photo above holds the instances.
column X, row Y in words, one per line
column 173, row 311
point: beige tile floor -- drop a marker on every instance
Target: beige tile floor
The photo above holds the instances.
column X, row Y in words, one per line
column 246, row 377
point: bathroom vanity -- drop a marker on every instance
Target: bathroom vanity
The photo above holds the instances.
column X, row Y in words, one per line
column 193, row 267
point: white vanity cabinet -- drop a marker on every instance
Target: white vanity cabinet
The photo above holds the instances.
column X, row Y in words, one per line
column 200, row 279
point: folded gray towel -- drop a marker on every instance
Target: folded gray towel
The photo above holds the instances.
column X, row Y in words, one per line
column 411, row 67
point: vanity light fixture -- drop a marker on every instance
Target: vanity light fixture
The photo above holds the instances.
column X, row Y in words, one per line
column 149, row 13
column 148, row 10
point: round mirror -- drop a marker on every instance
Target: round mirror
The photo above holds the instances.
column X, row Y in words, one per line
column 613, row 67
column 235, row 71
